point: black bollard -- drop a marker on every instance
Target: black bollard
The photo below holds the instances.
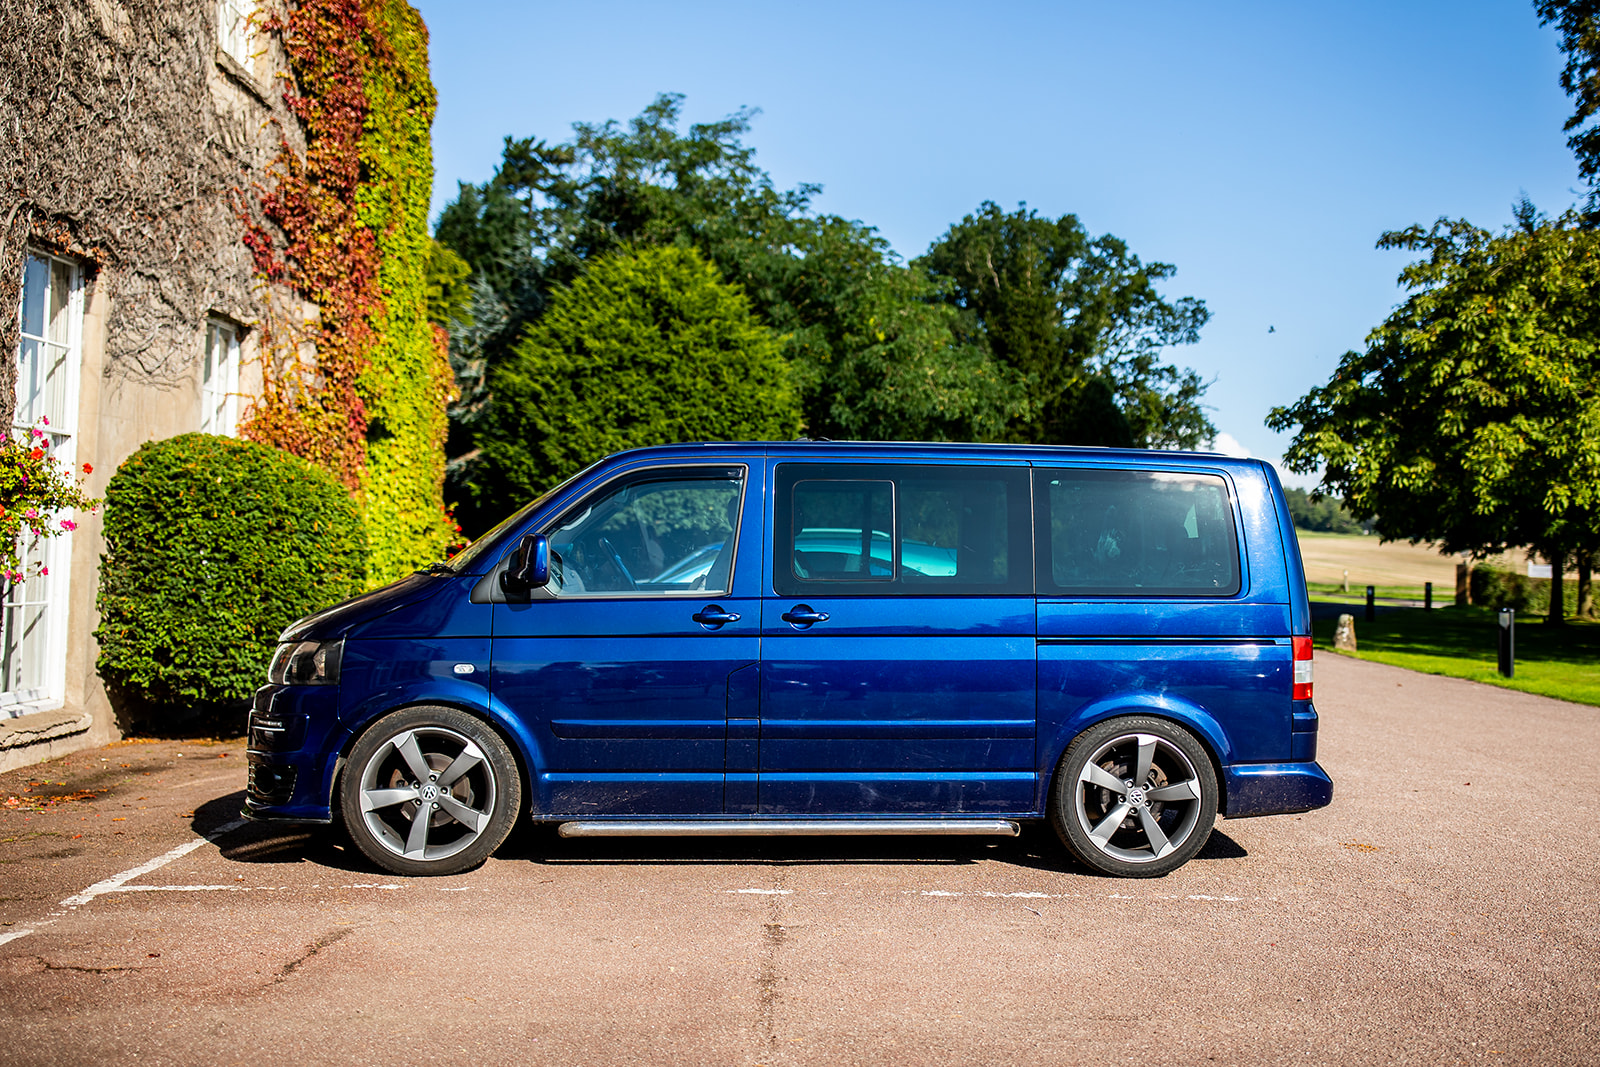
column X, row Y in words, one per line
column 1427, row 596
column 1372, row 607
column 1508, row 642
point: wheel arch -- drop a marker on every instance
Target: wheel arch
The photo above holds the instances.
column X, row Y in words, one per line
column 495, row 715
column 1180, row 712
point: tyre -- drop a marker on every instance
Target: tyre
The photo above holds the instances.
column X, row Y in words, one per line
column 429, row 790
column 1134, row 797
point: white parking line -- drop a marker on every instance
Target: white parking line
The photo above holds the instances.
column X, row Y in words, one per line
column 117, row 882
column 192, row 888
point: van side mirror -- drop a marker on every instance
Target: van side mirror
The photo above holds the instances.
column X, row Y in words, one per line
column 530, row 566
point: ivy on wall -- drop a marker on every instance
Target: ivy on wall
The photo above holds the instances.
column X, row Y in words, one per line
column 409, row 383
column 361, row 388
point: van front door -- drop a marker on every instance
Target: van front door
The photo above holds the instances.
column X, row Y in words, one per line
column 621, row 667
column 898, row 660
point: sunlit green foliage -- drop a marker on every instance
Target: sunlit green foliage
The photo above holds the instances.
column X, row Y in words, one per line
column 1326, row 515
column 645, row 348
column 1079, row 319
column 878, row 349
column 1472, row 419
column 213, row 546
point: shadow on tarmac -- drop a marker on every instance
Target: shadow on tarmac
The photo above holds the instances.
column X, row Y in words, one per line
column 539, row 843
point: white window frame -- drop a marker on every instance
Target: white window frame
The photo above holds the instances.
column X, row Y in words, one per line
column 234, row 29
column 219, row 378
column 48, row 594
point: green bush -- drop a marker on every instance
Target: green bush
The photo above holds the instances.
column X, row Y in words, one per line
column 1496, row 588
column 213, row 546
column 647, row 348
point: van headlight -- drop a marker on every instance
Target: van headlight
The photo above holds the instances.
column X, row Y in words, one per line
column 306, row 663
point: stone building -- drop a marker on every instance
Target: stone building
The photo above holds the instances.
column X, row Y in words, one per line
column 133, row 135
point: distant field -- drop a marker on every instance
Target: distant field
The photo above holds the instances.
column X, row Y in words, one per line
column 1393, row 567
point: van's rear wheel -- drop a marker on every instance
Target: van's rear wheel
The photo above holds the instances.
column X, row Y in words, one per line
column 1134, row 797
column 429, row 790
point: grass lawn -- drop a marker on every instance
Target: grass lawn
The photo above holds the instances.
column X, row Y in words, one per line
column 1561, row 662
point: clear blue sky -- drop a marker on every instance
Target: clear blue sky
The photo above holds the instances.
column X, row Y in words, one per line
column 1259, row 147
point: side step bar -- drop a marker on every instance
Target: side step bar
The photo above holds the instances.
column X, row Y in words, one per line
column 783, row 827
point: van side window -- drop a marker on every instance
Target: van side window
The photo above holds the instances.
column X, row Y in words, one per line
column 841, row 531
column 656, row 533
column 901, row 530
column 1135, row 533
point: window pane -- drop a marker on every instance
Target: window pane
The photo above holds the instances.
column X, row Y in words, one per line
column 233, row 28
column 43, row 368
column 1138, row 533
column 41, row 383
column 841, row 531
column 25, row 632
column 954, row 531
column 35, row 287
column 60, row 303
column 887, row 529
column 219, row 378
column 673, row 535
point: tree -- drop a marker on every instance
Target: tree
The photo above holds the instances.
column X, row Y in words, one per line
column 1579, row 24
column 1080, row 320
column 876, row 352
column 1320, row 513
column 1473, row 417
column 872, row 346
column 645, row 348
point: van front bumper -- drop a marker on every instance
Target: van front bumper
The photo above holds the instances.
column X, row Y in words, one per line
column 1275, row 788
column 290, row 754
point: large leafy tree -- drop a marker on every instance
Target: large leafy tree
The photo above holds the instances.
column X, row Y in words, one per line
column 1081, row 321
column 645, row 348
column 1472, row 419
column 873, row 351
column 878, row 349
column 1578, row 22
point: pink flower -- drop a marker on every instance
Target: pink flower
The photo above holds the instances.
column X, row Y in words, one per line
column 44, row 572
column 38, row 432
column 68, row 525
column 31, row 513
column 45, row 419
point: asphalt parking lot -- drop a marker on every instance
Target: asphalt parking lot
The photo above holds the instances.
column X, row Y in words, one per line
column 1445, row 909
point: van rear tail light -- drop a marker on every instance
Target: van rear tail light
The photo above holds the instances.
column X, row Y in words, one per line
column 1302, row 668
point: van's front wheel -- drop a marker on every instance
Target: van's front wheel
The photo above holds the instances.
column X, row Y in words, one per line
column 1134, row 797
column 429, row 790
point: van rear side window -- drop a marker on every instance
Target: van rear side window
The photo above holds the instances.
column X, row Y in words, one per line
column 1135, row 533
column 891, row 530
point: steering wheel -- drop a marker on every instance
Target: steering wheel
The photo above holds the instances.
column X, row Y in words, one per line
column 616, row 561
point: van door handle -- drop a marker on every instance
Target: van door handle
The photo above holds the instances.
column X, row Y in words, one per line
column 802, row 616
column 712, row 616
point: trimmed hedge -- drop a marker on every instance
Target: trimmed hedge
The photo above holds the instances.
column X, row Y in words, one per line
column 213, row 546
column 1496, row 588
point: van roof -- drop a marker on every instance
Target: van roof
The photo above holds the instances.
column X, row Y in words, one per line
column 910, row 450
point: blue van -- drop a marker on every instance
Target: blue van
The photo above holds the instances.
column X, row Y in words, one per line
column 820, row 638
